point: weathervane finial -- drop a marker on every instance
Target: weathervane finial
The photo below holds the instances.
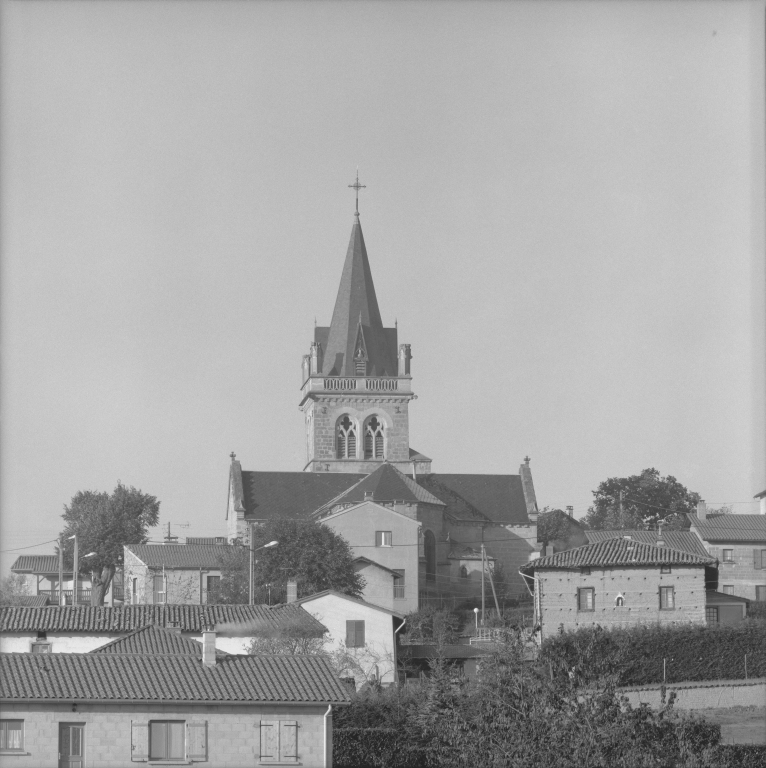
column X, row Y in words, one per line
column 357, row 186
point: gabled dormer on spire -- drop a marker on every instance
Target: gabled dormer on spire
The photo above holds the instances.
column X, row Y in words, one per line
column 360, row 351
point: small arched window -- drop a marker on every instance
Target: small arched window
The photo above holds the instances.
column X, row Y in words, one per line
column 429, row 547
column 463, row 572
column 346, row 438
column 373, row 439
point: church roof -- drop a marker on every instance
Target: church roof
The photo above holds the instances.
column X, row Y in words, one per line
column 386, row 483
column 356, row 320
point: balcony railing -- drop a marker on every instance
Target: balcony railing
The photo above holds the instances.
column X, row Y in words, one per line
column 53, row 596
column 357, row 384
column 399, row 591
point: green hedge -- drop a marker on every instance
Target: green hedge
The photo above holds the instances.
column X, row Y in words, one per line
column 740, row 756
column 375, row 748
column 636, row 655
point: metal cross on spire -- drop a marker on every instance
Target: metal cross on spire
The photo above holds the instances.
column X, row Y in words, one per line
column 357, row 186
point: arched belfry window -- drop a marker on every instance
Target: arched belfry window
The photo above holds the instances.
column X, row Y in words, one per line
column 373, row 439
column 346, row 438
column 429, row 547
column 463, row 572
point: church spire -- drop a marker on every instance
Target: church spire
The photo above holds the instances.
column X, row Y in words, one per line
column 357, row 186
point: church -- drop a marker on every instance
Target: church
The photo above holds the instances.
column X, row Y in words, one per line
column 417, row 535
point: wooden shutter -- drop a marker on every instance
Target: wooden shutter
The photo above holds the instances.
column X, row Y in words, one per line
column 269, row 739
column 196, row 740
column 139, row 741
column 288, row 739
column 757, row 561
column 350, row 635
column 359, row 634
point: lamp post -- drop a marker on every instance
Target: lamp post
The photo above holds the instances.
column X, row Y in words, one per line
column 476, row 616
column 75, row 573
column 252, row 564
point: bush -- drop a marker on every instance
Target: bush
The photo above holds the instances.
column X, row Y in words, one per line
column 636, row 655
column 740, row 756
column 375, row 748
column 757, row 610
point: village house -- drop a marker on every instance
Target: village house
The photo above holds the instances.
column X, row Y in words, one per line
column 738, row 542
column 361, row 636
column 42, row 579
column 71, row 629
column 617, row 583
column 167, row 706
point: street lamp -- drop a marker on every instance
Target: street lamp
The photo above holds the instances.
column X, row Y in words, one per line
column 252, row 564
column 476, row 615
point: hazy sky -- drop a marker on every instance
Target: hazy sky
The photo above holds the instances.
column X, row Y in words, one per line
column 564, row 211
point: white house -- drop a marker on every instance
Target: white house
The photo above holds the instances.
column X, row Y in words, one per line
column 361, row 636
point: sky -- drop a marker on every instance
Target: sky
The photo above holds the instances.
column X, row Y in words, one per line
column 564, row 211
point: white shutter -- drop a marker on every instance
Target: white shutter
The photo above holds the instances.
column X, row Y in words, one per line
column 139, row 741
column 269, row 740
column 288, row 739
column 196, row 740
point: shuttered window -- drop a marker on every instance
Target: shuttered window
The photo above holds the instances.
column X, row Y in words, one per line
column 159, row 589
column 586, row 599
column 760, row 594
column 373, row 439
column 399, row 583
column 355, row 634
column 346, row 438
column 667, row 599
column 167, row 740
column 759, row 559
column 196, row 740
column 279, row 741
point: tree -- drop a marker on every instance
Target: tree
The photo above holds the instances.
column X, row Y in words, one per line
column 104, row 523
column 13, row 587
column 647, row 499
column 308, row 552
column 290, row 638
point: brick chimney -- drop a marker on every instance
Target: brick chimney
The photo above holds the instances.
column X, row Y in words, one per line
column 208, row 647
column 292, row 591
column 701, row 510
column 368, row 496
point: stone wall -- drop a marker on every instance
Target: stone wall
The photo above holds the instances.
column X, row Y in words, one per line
column 741, row 573
column 713, row 694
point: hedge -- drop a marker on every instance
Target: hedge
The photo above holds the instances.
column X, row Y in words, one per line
column 636, row 655
column 740, row 756
column 375, row 748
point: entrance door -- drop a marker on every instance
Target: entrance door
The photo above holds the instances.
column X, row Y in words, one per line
column 71, row 745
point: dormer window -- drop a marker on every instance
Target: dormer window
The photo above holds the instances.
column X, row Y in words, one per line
column 373, row 439
column 346, row 438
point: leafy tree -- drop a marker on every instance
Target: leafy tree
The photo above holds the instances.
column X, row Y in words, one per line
column 433, row 626
column 290, row 638
column 104, row 523
column 647, row 499
column 12, row 587
column 308, row 552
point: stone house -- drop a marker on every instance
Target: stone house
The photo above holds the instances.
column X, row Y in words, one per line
column 362, row 633
column 55, row 629
column 118, row 709
column 617, row 583
column 173, row 573
column 738, row 542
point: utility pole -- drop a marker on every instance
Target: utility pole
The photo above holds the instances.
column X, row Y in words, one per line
column 483, row 570
column 62, row 601
column 622, row 509
column 75, row 573
column 494, row 594
column 252, row 566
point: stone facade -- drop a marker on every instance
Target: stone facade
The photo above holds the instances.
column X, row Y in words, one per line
column 556, row 597
column 222, row 735
column 743, row 572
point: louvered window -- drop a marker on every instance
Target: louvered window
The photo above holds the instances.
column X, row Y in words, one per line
column 355, row 634
column 667, row 599
column 361, row 367
column 346, row 438
column 586, row 599
column 373, row 439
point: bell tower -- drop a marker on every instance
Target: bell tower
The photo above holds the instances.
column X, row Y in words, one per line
column 356, row 379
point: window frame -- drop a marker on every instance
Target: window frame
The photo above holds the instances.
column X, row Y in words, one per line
column 760, row 589
column 280, row 730
column 665, row 569
column 582, row 592
column 346, row 438
column 355, row 632
column 727, row 589
column 399, row 584
column 41, row 646
column 711, row 610
column 669, row 590
column 727, row 555
column 174, row 758
column 380, row 536
column 6, row 750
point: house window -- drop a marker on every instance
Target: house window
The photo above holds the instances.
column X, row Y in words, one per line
column 728, row 555
column 213, row 585
column 346, row 438
column 383, row 538
column 279, row 741
column 354, row 634
column 373, row 439
column 586, row 599
column 399, row 583
column 134, row 591
column 41, row 647
column 159, row 589
column 728, row 589
column 759, row 559
column 11, row 735
column 665, row 569
column 585, row 571
column 711, row 615
column 166, row 740
column 429, row 549
column 760, row 594
column 463, row 572
column 667, row 599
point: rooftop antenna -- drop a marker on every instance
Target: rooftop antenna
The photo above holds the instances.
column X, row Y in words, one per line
column 357, row 186
column 169, row 538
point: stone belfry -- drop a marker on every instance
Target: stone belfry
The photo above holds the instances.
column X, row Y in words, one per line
column 356, row 380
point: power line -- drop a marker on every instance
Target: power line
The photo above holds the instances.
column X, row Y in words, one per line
column 31, row 546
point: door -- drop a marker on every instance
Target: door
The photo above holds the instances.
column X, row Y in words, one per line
column 71, row 745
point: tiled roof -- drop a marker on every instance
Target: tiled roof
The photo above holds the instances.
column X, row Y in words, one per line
column 355, row 305
column 31, row 601
column 418, row 456
column 686, row 541
column 183, row 555
column 715, row 598
column 364, row 603
column 155, row 640
column 38, row 564
column 722, row 527
column 118, row 620
column 499, row 498
column 365, row 561
column 616, row 553
column 386, row 484
column 464, row 552
column 139, row 677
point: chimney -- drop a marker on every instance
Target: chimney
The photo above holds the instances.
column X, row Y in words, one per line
column 660, row 540
column 208, row 647
column 701, row 510
column 368, row 496
column 292, row 591
column 570, row 511
column 762, row 502
column 405, row 355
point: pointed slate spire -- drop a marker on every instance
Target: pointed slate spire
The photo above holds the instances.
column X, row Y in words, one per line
column 356, row 312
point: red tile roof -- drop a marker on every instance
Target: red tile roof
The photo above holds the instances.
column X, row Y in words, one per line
column 122, row 619
column 38, row 564
column 686, row 541
column 179, row 678
column 722, row 527
column 616, row 553
column 157, row 641
column 31, row 601
column 183, row 555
